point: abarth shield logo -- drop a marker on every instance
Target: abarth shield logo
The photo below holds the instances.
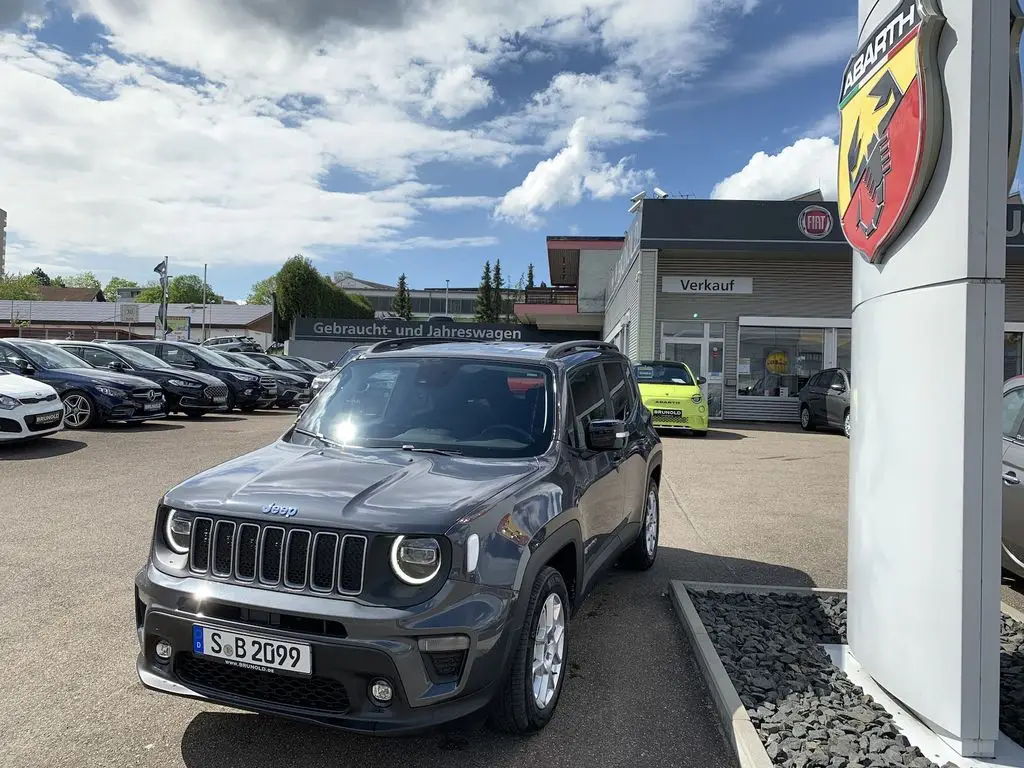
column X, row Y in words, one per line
column 890, row 112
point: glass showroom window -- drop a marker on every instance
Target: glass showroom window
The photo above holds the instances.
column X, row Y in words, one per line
column 777, row 362
column 844, row 348
column 1012, row 353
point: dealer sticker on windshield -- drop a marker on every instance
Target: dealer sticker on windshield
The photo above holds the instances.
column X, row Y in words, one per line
column 250, row 652
column 645, row 372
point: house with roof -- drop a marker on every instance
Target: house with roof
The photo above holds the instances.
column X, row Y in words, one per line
column 57, row 293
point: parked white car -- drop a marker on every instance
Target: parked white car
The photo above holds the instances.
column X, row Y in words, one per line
column 28, row 408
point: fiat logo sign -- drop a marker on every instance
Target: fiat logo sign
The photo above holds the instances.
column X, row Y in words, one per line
column 815, row 222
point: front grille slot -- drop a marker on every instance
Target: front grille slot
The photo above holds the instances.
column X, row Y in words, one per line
column 296, row 557
column 266, row 382
column 216, row 391
column 223, row 547
column 245, row 556
column 321, row 572
column 353, row 559
column 315, row 694
column 317, row 561
column 199, row 559
column 272, row 555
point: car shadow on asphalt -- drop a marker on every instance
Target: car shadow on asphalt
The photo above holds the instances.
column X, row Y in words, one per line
column 43, row 448
column 206, row 417
column 713, row 434
column 138, row 426
column 634, row 694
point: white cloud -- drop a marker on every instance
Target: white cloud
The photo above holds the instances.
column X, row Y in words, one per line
column 801, row 167
column 826, row 126
column 795, row 54
column 564, row 179
column 205, row 131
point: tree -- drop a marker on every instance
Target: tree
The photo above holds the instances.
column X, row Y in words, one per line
column 110, row 291
column 83, row 280
column 151, row 293
column 401, row 305
column 262, row 291
column 484, row 296
column 58, row 282
column 303, row 292
column 498, row 300
column 41, row 277
column 19, row 287
column 529, row 277
column 189, row 289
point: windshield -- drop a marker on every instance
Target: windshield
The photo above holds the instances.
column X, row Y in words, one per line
column 314, row 365
column 48, row 356
column 663, row 373
column 287, row 365
column 473, row 407
column 140, row 358
column 213, row 358
column 248, row 362
column 349, row 354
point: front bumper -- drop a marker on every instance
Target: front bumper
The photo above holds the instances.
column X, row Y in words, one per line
column 352, row 645
column 20, row 423
column 132, row 410
column 205, row 399
column 679, row 415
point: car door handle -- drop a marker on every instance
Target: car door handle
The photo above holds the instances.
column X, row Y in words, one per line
column 1010, row 478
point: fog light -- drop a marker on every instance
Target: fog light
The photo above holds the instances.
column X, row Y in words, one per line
column 163, row 650
column 381, row 691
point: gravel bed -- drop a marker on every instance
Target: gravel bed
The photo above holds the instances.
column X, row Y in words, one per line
column 806, row 711
column 1011, row 679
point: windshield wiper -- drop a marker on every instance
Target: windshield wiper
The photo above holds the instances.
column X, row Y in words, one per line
column 438, row 451
column 319, row 436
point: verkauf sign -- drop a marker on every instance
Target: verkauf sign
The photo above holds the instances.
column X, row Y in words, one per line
column 320, row 329
column 707, row 285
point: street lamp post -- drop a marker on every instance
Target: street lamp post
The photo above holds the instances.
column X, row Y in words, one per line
column 446, row 296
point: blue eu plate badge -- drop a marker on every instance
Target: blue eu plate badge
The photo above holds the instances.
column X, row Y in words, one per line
column 197, row 639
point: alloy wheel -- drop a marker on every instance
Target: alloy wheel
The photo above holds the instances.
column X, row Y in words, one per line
column 651, row 526
column 77, row 411
column 548, row 651
column 805, row 417
column 846, row 425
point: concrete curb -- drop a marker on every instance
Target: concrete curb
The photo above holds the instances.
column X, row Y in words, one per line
column 1013, row 613
column 739, row 730
column 713, row 586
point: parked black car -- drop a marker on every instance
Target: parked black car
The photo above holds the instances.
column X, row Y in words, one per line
column 825, row 400
column 324, row 378
column 313, row 366
column 411, row 550
column 247, row 390
column 189, row 392
column 292, row 389
column 91, row 396
column 277, row 363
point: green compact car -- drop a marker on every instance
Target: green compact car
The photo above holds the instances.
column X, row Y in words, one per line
column 672, row 394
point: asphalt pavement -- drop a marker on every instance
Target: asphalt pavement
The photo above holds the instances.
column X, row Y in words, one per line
column 77, row 516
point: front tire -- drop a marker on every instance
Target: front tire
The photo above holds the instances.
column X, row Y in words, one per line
column 644, row 550
column 806, row 422
column 528, row 698
column 79, row 410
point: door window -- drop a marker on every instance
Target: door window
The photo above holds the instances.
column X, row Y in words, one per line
column 1013, row 409
column 619, row 391
column 98, row 357
column 176, row 356
column 588, row 397
column 151, row 348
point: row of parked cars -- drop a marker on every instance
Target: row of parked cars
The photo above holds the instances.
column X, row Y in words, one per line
column 47, row 386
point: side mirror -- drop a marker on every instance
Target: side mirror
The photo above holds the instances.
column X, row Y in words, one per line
column 117, row 365
column 24, row 367
column 302, row 408
column 701, row 381
column 838, row 387
column 607, row 435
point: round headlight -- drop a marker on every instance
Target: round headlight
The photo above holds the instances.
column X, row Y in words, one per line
column 178, row 532
column 415, row 561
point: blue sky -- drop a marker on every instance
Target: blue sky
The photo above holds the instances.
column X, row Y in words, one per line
column 211, row 132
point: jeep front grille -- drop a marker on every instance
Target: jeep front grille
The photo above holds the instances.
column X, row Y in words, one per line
column 300, row 559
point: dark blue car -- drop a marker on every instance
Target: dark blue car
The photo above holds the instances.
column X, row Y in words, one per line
column 91, row 396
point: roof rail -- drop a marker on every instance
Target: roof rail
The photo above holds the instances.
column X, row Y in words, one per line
column 569, row 347
column 390, row 345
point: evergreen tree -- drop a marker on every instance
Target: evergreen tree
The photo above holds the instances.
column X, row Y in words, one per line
column 498, row 299
column 401, row 305
column 41, row 277
column 485, row 296
column 529, row 277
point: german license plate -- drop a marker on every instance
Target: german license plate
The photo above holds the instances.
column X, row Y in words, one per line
column 49, row 418
column 252, row 652
column 150, row 407
column 663, row 412
column 220, row 400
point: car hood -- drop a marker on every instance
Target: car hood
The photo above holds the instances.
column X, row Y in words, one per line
column 101, row 376
column 13, row 385
column 285, row 378
column 377, row 490
column 668, row 391
column 165, row 374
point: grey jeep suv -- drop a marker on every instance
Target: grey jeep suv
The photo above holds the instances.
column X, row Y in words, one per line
column 410, row 551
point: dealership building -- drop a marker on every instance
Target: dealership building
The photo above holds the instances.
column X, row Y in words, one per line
column 756, row 296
